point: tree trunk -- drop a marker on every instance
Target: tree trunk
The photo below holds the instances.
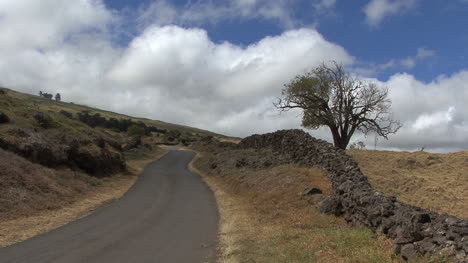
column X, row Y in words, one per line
column 339, row 140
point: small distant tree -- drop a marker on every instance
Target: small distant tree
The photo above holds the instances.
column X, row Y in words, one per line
column 58, row 97
column 40, row 93
column 359, row 145
column 46, row 95
column 331, row 97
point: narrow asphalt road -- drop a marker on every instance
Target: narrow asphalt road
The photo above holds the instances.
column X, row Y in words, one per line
column 169, row 215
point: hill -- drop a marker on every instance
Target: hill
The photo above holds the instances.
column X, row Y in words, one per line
column 56, row 155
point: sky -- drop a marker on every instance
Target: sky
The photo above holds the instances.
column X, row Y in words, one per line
column 220, row 65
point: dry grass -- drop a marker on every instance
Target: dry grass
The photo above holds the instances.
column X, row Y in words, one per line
column 438, row 182
column 229, row 139
column 27, row 188
column 22, row 224
column 263, row 219
column 22, row 228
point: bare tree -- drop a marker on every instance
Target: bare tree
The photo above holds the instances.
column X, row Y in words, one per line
column 331, row 97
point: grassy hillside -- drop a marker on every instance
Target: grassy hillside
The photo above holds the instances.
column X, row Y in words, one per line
column 438, row 182
column 52, row 156
column 21, row 103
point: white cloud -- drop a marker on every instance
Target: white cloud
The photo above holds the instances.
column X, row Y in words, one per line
column 222, row 83
column 162, row 12
column 179, row 75
column 170, row 73
column 378, row 10
column 422, row 54
column 433, row 114
column 433, row 120
column 42, row 24
column 406, row 63
column 323, row 5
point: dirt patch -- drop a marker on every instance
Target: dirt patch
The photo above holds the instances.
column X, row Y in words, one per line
column 108, row 189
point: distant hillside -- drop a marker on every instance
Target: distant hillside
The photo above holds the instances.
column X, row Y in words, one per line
column 31, row 102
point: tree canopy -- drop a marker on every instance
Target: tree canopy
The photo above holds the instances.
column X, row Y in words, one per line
column 331, row 97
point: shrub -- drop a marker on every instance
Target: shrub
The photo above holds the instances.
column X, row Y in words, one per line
column 136, row 130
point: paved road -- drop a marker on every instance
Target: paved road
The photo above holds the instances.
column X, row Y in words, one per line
column 169, row 215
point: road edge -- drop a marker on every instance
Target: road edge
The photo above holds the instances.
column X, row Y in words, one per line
column 226, row 244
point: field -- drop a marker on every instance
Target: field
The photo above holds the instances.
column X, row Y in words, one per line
column 438, row 182
column 264, row 219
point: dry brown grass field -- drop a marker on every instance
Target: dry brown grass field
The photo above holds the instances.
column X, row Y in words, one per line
column 438, row 182
column 263, row 219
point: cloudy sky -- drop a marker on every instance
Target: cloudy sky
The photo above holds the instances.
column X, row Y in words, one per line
column 219, row 65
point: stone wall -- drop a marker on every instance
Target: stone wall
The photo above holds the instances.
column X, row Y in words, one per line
column 414, row 231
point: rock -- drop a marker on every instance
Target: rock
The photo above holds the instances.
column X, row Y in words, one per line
column 408, row 252
column 55, row 149
column 4, row 118
column 426, row 246
column 396, row 248
column 330, row 205
column 461, row 256
column 310, row 190
column 241, row 162
column 449, row 251
column 316, row 198
column 43, row 119
column 96, row 161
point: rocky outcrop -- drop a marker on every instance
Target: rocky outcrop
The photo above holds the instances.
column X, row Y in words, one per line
column 54, row 149
column 4, row 118
column 414, row 231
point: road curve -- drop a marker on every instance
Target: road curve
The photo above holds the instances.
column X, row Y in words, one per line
column 169, row 215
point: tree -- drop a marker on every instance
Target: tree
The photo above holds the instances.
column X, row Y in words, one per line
column 360, row 145
column 58, row 97
column 331, row 97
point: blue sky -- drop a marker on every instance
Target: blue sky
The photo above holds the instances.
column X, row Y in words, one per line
column 220, row 65
column 437, row 26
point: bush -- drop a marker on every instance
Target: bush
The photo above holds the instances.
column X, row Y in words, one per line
column 136, row 130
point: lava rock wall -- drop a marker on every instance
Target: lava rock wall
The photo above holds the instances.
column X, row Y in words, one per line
column 414, row 231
